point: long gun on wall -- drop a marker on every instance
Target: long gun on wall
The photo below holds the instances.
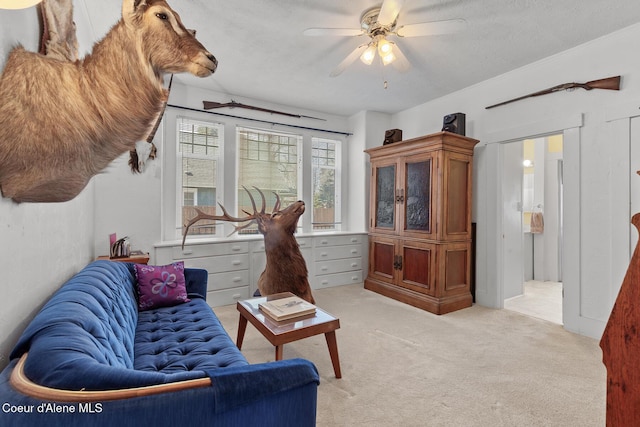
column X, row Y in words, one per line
column 209, row 105
column 611, row 83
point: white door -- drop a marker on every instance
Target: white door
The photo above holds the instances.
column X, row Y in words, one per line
column 512, row 236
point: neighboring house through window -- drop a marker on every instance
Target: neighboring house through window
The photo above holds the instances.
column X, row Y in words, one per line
column 325, row 160
column 199, row 150
column 270, row 162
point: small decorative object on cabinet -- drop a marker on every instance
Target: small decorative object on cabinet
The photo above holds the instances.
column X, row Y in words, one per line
column 420, row 221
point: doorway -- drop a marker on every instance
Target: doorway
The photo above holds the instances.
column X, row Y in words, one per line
column 532, row 209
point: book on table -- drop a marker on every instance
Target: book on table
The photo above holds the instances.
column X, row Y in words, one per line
column 287, row 308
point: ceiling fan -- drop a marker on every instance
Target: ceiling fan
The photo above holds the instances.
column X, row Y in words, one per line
column 379, row 23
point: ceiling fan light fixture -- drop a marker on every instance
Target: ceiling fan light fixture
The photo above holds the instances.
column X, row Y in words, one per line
column 369, row 54
column 388, row 58
column 384, row 47
column 17, row 4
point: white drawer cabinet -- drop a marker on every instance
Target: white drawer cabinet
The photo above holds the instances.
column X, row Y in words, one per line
column 338, row 260
column 235, row 265
column 226, row 262
column 338, row 265
column 338, row 279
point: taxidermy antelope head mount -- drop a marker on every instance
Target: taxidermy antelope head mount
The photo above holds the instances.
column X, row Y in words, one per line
column 286, row 270
column 63, row 121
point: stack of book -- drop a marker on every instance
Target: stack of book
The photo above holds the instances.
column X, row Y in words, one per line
column 287, row 308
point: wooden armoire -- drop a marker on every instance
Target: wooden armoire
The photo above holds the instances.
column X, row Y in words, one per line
column 420, row 221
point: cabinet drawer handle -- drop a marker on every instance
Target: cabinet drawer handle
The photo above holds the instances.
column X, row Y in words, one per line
column 324, row 268
column 324, row 242
column 236, row 296
column 323, row 254
column 354, row 240
column 354, row 264
column 324, row 282
column 187, row 252
column 236, row 262
column 354, row 251
column 355, row 278
column 237, row 279
column 302, row 243
column 236, row 248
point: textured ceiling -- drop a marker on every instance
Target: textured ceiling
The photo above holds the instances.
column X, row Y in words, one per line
column 264, row 55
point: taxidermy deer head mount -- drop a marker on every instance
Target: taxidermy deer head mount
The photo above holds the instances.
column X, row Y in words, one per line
column 63, row 121
column 286, row 270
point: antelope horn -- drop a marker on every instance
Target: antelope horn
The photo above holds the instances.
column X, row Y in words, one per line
column 276, row 207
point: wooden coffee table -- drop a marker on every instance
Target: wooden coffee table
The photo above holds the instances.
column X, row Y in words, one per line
column 280, row 333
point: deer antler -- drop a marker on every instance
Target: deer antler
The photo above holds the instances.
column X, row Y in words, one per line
column 276, row 207
column 226, row 217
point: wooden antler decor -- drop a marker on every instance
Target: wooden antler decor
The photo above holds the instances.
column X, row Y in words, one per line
column 620, row 345
column 286, row 270
column 64, row 120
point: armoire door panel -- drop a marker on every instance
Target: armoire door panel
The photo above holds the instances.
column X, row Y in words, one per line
column 384, row 205
column 417, row 266
column 382, row 258
column 417, row 203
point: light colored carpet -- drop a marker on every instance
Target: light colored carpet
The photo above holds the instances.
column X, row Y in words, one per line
column 402, row 366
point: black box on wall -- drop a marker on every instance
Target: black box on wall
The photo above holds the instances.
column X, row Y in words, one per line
column 454, row 123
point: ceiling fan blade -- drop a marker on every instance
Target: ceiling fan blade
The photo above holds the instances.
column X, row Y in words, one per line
column 401, row 63
column 333, row 32
column 355, row 54
column 389, row 11
column 432, row 28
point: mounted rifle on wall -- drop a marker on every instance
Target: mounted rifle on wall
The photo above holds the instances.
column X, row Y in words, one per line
column 610, row 83
column 210, row 105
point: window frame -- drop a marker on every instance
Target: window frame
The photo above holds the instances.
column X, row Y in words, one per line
column 337, row 168
column 298, row 165
column 179, row 156
column 227, row 178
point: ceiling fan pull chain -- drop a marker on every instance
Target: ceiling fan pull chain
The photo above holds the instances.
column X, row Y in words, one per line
column 384, row 80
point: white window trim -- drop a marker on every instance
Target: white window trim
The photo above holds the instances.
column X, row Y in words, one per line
column 227, row 170
column 172, row 166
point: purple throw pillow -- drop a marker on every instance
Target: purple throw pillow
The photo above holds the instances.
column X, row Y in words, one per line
column 160, row 285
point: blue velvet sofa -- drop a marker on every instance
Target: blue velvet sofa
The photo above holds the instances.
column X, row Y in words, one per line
column 90, row 358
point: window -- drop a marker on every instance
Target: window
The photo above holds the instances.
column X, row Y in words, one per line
column 326, row 200
column 269, row 161
column 198, row 171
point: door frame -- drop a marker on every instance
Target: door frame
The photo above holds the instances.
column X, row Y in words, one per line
column 488, row 212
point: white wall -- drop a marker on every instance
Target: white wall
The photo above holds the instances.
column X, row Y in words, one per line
column 593, row 166
column 41, row 245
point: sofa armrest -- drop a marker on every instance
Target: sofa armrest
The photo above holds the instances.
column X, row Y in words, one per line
column 241, row 385
column 196, row 282
column 275, row 394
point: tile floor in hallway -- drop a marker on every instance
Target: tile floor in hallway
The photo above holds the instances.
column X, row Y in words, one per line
column 540, row 299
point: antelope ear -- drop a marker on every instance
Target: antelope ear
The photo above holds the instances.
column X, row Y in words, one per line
column 131, row 8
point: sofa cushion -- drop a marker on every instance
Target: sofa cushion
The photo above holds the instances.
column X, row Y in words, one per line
column 160, row 285
column 186, row 338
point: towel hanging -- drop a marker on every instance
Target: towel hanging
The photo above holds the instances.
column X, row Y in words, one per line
column 537, row 223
